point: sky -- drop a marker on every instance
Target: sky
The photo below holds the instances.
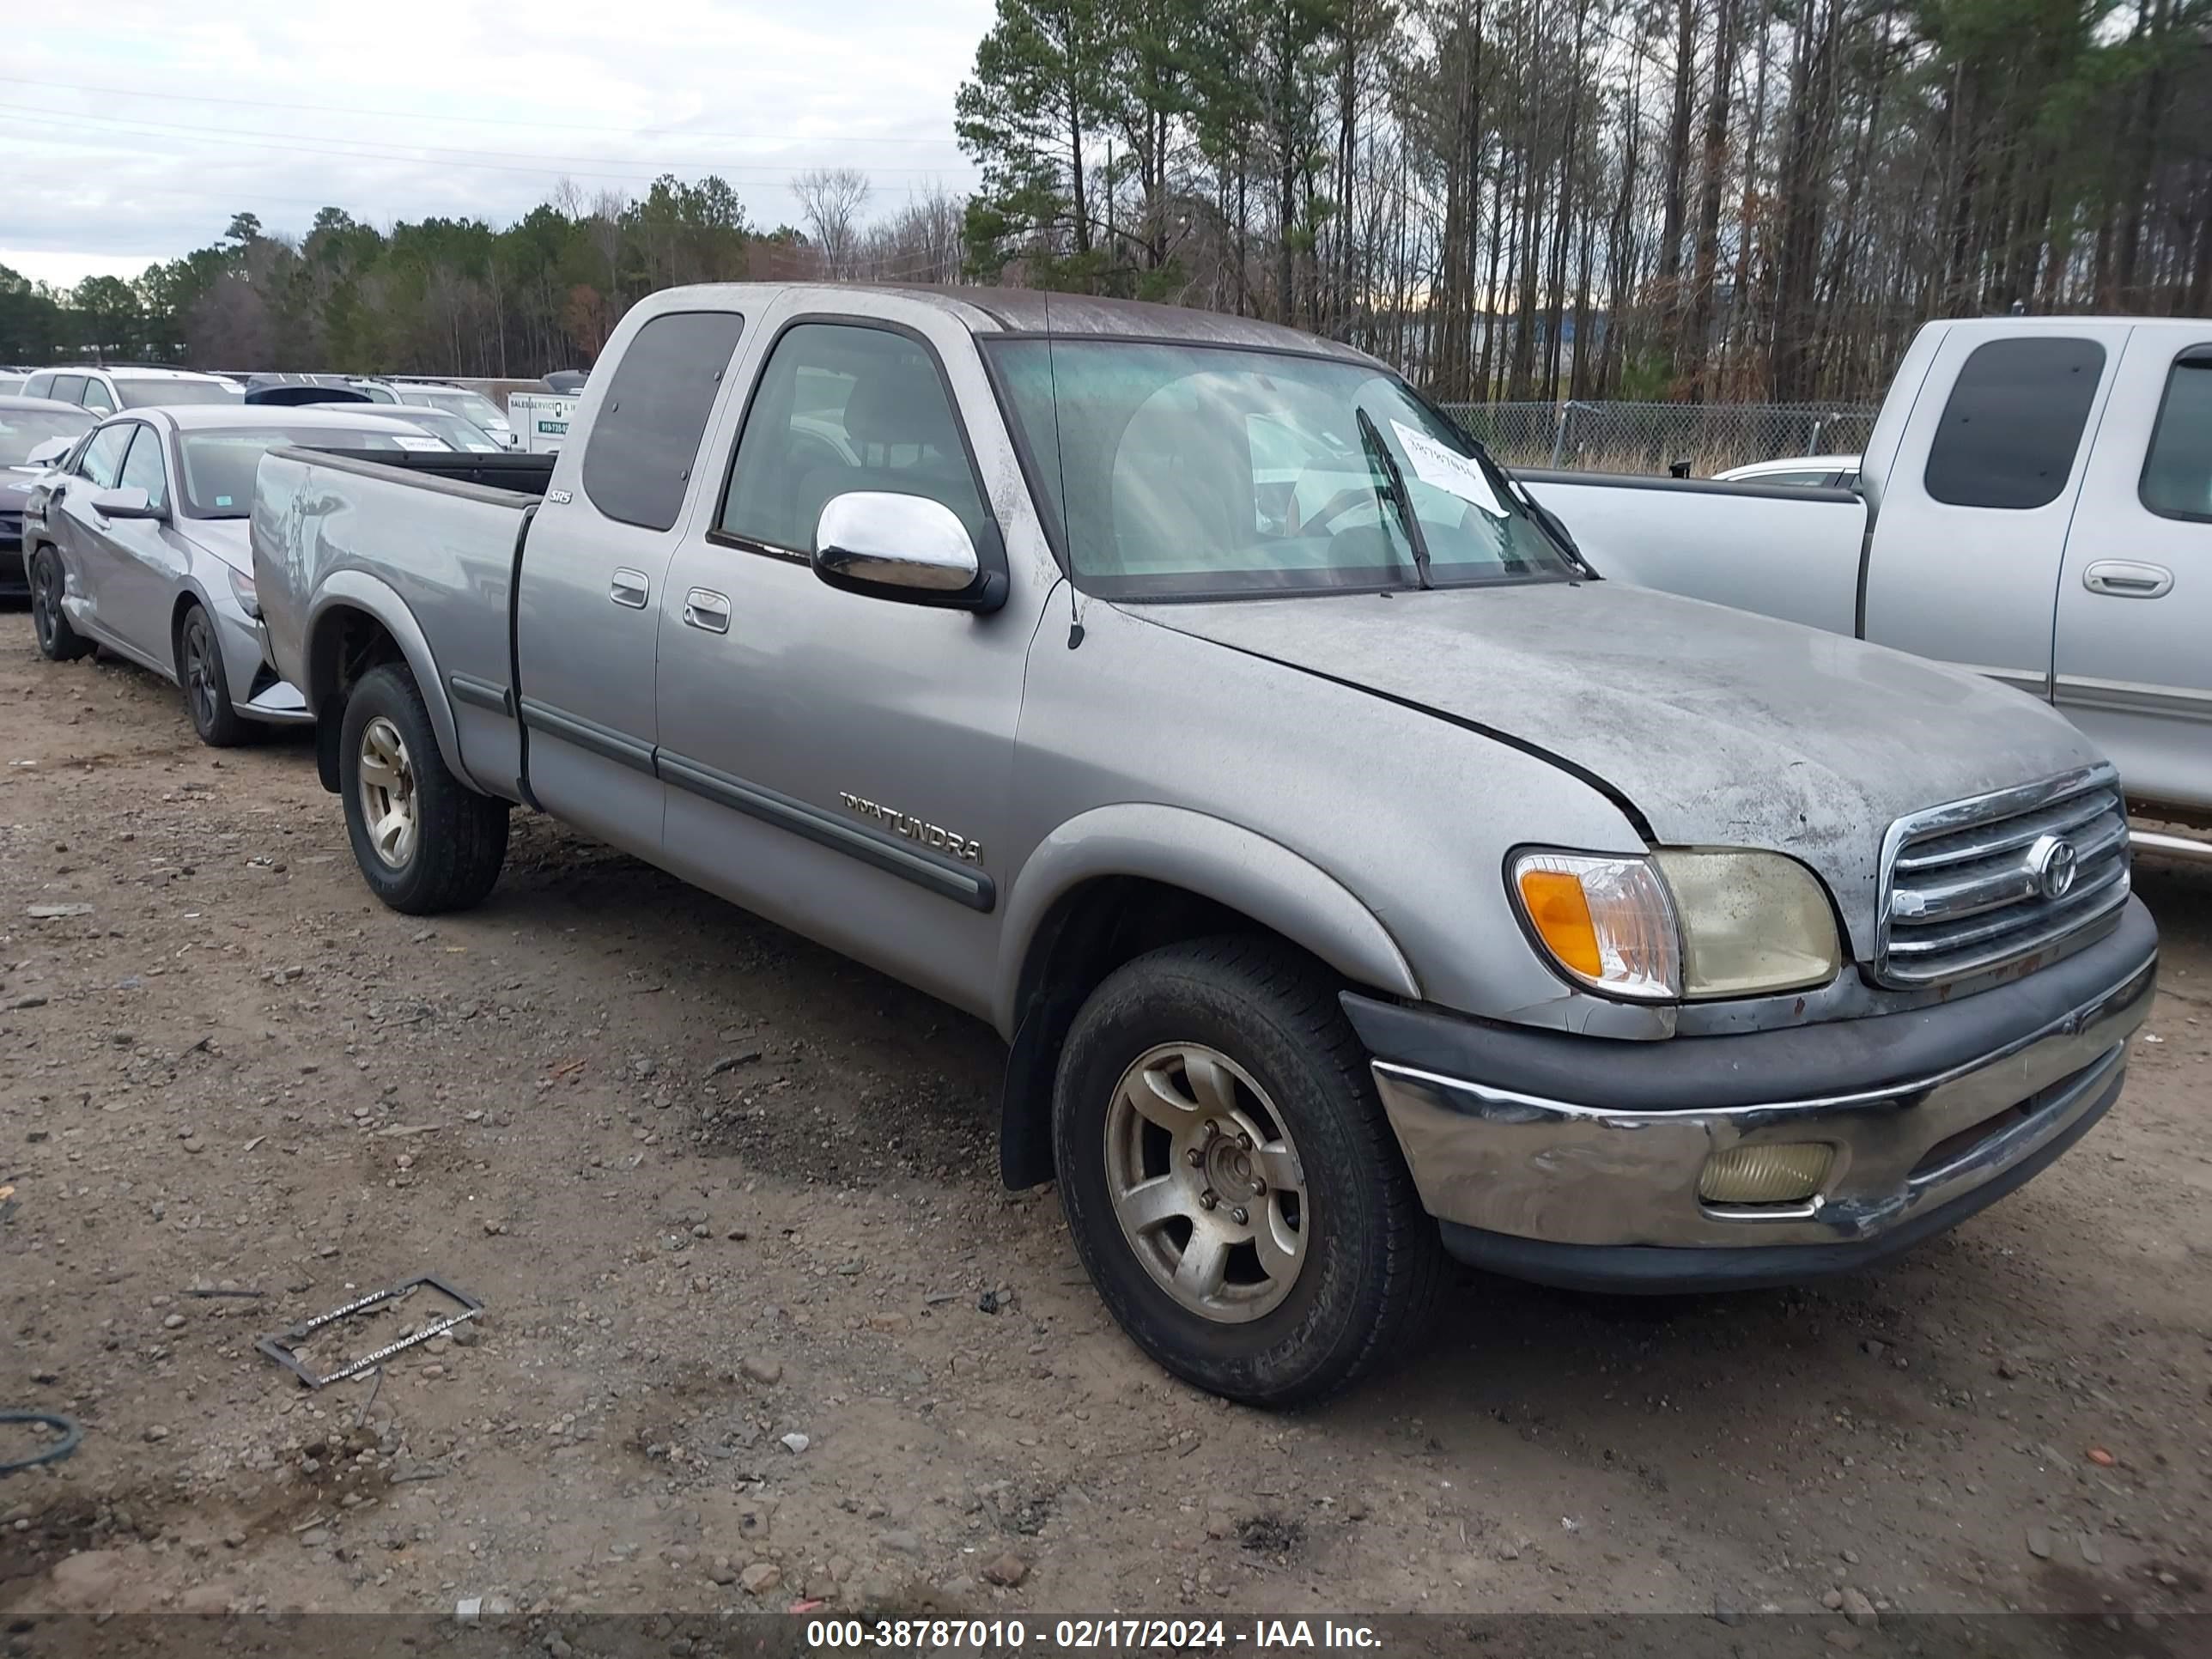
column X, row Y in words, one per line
column 137, row 141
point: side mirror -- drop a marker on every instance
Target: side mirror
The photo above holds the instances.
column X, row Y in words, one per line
column 128, row 503
column 902, row 547
column 50, row 452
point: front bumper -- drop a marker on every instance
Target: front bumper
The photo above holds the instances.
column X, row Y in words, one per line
column 255, row 692
column 1577, row 1160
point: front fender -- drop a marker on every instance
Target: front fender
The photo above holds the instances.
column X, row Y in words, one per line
column 319, row 676
column 1214, row 858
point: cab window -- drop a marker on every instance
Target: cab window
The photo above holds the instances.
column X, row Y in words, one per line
column 844, row 407
column 2177, row 475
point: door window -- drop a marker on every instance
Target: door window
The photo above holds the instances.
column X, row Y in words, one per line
column 101, row 463
column 843, row 407
column 638, row 462
column 69, row 388
column 2009, row 433
column 97, row 398
column 144, row 469
column 2177, row 475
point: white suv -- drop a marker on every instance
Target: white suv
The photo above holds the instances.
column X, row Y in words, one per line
column 105, row 389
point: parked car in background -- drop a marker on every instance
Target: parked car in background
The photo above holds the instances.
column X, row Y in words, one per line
column 1811, row 471
column 1354, row 876
column 542, row 418
column 29, row 428
column 451, row 430
column 568, row 382
column 471, row 406
column 105, row 389
column 141, row 546
column 2035, row 504
column 11, row 381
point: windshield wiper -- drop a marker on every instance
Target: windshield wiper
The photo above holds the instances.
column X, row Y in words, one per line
column 1400, row 497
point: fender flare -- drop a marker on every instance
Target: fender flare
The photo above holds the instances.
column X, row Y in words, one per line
column 359, row 590
column 1213, row 858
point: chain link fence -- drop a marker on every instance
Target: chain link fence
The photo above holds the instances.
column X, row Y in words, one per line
column 1652, row 438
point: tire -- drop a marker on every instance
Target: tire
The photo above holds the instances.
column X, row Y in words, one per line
column 57, row 641
column 446, row 852
column 1253, row 1026
column 201, row 677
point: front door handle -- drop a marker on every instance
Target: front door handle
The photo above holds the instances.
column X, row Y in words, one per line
column 629, row 588
column 2123, row 579
column 704, row 608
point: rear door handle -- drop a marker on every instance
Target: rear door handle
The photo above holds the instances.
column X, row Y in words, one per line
column 629, row 588
column 2123, row 579
column 704, row 608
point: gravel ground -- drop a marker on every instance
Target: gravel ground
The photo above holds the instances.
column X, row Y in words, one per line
column 725, row 1195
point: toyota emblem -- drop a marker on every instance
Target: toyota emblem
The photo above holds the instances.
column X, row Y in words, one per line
column 2054, row 864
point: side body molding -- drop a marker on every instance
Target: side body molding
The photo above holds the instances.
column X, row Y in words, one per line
column 360, row 591
column 1209, row 856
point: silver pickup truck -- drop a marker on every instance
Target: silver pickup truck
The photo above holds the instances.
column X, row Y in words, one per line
column 1355, row 877
column 2035, row 504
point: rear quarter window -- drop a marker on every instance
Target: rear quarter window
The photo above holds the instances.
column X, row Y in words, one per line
column 2015, row 420
column 646, row 441
column 2177, row 475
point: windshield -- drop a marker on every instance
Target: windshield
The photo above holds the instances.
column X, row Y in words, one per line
column 458, row 433
column 466, row 404
column 1182, row 471
column 139, row 392
column 218, row 466
column 22, row 430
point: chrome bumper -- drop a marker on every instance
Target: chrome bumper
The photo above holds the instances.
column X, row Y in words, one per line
column 1572, row 1174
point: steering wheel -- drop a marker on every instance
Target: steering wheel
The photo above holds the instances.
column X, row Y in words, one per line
column 1339, row 504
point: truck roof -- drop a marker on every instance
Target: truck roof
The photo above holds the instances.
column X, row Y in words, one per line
column 1032, row 311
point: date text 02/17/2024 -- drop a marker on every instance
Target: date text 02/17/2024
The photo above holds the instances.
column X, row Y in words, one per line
column 1116, row 1634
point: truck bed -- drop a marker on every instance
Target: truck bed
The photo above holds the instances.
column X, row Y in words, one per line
column 1784, row 551
column 427, row 543
column 524, row 475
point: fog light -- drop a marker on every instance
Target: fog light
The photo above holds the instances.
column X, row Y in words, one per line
column 1765, row 1174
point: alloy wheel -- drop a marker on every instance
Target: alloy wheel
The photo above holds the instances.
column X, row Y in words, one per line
column 45, row 598
column 201, row 679
column 388, row 801
column 1205, row 1182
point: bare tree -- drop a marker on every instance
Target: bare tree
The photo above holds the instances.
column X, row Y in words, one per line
column 829, row 200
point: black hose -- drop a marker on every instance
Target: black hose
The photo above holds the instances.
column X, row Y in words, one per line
column 71, row 1433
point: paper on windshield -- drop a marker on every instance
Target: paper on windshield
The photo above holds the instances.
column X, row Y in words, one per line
column 427, row 444
column 1457, row 474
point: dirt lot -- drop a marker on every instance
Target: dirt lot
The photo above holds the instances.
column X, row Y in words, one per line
column 718, row 1187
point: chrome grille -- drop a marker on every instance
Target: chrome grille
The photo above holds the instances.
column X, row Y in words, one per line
column 1980, row 883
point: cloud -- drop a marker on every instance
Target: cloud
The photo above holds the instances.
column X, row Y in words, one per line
column 415, row 107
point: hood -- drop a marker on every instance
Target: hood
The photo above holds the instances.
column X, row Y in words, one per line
column 230, row 540
column 1717, row 727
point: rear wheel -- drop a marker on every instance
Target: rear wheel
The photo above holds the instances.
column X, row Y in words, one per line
column 205, row 684
column 1231, row 1182
column 425, row 841
column 57, row 641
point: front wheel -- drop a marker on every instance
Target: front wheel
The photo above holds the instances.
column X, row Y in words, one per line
column 206, row 685
column 426, row 843
column 1231, row 1182
column 57, row 641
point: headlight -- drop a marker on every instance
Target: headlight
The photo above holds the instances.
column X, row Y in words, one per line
column 248, row 596
column 1677, row 924
column 1752, row 922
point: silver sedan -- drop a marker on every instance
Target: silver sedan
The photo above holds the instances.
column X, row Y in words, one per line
column 140, row 544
